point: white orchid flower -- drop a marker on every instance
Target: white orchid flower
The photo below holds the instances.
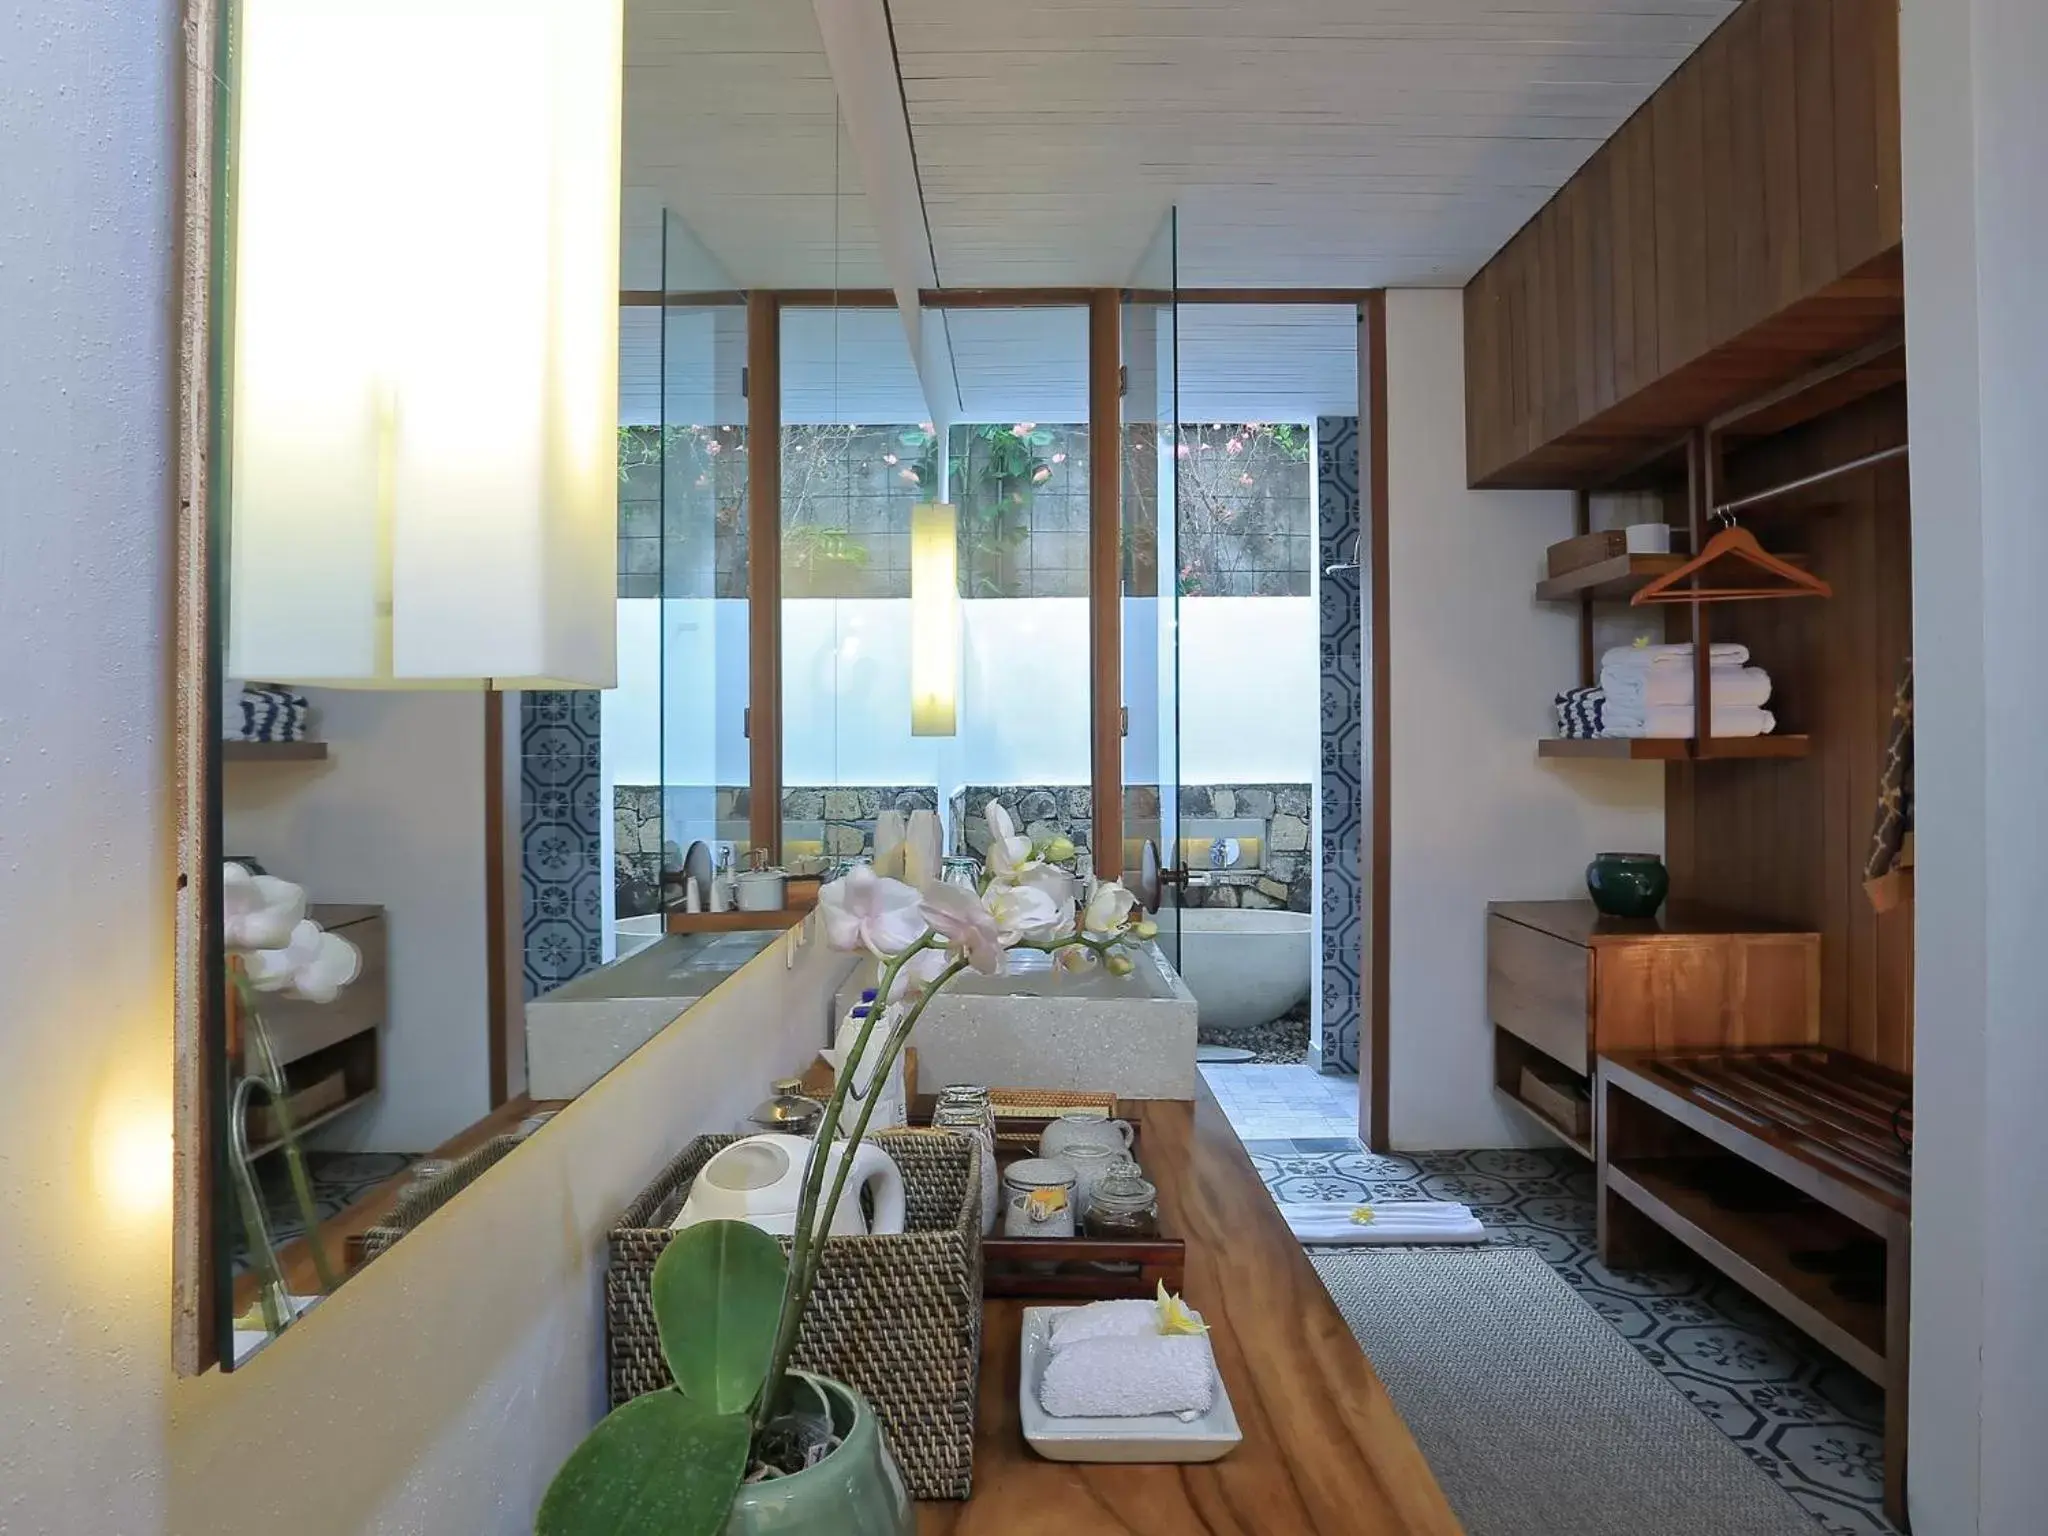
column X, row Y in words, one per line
column 1108, row 911
column 1024, row 911
column 865, row 910
column 968, row 927
column 917, row 974
column 258, row 911
column 314, row 965
column 1007, row 849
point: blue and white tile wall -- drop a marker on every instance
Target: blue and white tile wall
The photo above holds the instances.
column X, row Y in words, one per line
column 1343, row 731
column 560, row 866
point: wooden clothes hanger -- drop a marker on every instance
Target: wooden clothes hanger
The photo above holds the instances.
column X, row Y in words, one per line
column 1740, row 544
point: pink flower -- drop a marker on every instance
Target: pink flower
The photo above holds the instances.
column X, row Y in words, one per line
column 866, row 911
column 1059, row 458
column 1027, row 910
column 969, row 928
column 1181, row 452
column 1024, row 428
column 918, row 973
column 1235, row 445
column 888, row 458
column 1244, row 479
column 714, row 446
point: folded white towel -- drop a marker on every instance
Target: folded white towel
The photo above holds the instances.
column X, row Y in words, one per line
column 1677, row 720
column 1126, row 1378
column 1730, row 687
column 1629, row 658
column 1103, row 1320
column 1325, row 1224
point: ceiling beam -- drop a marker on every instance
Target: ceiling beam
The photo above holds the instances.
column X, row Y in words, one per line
column 862, row 54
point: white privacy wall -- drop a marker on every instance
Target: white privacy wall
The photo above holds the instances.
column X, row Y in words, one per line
column 1975, row 136
column 1474, row 663
column 1249, row 693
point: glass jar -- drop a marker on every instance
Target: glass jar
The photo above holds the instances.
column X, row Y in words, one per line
column 968, row 1111
column 1125, row 1204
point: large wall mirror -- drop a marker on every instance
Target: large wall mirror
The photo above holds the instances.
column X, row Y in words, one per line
column 472, row 652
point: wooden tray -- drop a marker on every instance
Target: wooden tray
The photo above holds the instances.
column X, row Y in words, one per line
column 1078, row 1268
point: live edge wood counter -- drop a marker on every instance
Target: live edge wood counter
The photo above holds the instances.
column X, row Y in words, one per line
column 1324, row 1452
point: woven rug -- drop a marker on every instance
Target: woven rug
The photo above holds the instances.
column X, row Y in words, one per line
column 1537, row 1418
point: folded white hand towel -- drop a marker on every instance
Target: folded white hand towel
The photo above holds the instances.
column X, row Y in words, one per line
column 1112, row 1378
column 1103, row 1320
column 1731, row 687
column 1393, row 1221
column 1628, row 658
column 1677, row 720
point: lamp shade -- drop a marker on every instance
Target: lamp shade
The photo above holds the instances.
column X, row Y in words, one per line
column 422, row 314
column 934, row 619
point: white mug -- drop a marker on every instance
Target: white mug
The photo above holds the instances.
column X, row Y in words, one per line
column 1084, row 1128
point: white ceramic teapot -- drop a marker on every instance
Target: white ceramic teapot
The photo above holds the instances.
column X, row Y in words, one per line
column 759, row 1180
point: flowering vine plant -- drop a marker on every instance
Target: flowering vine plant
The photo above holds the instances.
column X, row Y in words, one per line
column 728, row 1305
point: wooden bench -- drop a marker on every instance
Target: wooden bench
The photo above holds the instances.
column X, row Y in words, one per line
column 1788, row 1171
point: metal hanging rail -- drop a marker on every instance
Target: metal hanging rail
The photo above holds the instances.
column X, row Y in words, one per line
column 1806, row 482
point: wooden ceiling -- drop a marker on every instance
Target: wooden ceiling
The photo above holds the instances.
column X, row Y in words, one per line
column 1318, row 143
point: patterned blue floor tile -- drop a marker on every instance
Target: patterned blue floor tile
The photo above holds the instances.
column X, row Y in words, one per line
column 1804, row 1418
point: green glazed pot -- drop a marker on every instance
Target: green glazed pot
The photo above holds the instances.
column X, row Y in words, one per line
column 1628, row 884
column 856, row 1491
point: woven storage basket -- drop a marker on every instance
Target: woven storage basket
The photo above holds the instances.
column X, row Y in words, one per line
column 896, row 1318
column 416, row 1205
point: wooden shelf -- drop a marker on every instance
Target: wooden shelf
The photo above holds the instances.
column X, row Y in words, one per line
column 263, row 1149
column 734, row 922
column 1754, row 1248
column 1668, row 749
column 1622, row 576
column 1578, row 1144
column 273, row 751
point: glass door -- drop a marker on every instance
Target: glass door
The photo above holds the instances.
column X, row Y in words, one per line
column 1152, row 860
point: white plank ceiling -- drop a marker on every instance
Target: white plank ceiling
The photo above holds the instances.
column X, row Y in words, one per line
column 1352, row 143
column 1348, row 143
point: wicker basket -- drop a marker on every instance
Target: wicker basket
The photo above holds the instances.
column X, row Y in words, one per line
column 896, row 1318
column 421, row 1201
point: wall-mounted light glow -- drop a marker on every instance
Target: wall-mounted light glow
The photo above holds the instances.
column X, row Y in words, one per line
column 423, row 389
column 131, row 1153
column 934, row 619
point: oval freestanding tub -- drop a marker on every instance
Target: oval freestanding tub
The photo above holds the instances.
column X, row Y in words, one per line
column 1244, row 966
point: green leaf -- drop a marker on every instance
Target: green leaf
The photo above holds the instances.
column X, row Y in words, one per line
column 653, row 1467
column 717, row 1298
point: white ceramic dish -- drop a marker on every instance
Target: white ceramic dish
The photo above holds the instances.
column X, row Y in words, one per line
column 1154, row 1438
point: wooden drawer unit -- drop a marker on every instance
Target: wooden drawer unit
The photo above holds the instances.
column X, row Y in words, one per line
column 1565, row 984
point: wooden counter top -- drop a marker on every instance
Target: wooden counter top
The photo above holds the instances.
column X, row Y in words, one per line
column 1324, row 1451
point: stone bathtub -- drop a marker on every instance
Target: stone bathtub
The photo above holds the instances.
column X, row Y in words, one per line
column 1245, row 966
column 1133, row 1035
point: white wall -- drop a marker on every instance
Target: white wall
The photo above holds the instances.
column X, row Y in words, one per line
column 1474, row 663
column 1975, row 137
column 85, row 795
column 395, row 816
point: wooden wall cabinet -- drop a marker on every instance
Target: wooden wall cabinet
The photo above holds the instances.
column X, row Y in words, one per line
column 1565, row 985
column 1741, row 227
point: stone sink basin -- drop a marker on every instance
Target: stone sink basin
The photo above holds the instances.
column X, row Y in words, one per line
column 1133, row 1036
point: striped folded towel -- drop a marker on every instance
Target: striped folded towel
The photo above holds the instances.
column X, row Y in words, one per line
column 1581, row 712
column 268, row 713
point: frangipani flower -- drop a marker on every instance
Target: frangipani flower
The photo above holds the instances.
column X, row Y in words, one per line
column 969, row 928
column 868, row 911
column 1174, row 1316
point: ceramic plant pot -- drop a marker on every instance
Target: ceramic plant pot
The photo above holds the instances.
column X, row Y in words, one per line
column 1628, row 884
column 856, row 1491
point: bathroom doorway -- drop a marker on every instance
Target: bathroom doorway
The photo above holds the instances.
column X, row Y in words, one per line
column 1270, row 708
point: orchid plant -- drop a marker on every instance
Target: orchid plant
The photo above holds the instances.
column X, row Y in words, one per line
column 273, row 948
column 664, row 1464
